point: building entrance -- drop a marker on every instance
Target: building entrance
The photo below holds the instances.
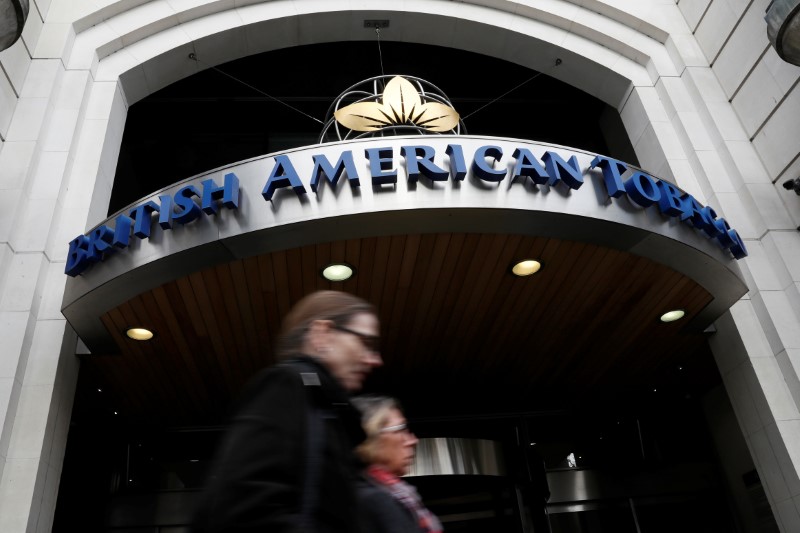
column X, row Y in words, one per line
column 595, row 404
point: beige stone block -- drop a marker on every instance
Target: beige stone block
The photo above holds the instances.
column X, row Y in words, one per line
column 768, row 387
column 72, row 88
column 756, row 99
column 269, row 26
column 143, row 21
column 748, row 163
column 17, row 489
column 48, row 171
column 766, row 267
column 32, row 225
column 73, row 10
column 43, row 6
column 214, row 46
column 8, row 407
column 742, row 214
column 169, row 67
column 15, row 61
column 32, row 28
column 714, row 29
column 8, row 104
column 693, row 11
column 726, row 344
column 13, row 326
column 784, row 435
column 53, row 290
column 789, row 363
column 30, row 423
column 81, row 52
column 742, row 50
column 188, row 10
column 60, row 130
column 776, row 142
column 724, row 125
column 770, row 206
column 784, row 73
column 769, row 468
column 15, row 161
column 41, row 78
column 9, row 205
column 742, row 399
column 65, row 394
column 720, row 177
column 45, row 353
column 101, row 99
column 648, row 149
column 783, row 318
column 787, row 244
column 790, row 200
column 53, row 40
column 77, row 189
column 27, row 121
column 44, row 522
column 20, row 281
column 68, row 223
column 788, row 515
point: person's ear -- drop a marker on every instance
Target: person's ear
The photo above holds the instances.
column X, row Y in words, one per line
column 318, row 336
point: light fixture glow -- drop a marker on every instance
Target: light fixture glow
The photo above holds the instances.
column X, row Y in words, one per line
column 672, row 316
column 526, row 267
column 337, row 272
column 139, row 334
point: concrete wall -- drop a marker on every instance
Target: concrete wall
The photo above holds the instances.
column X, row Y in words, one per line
column 757, row 344
column 690, row 81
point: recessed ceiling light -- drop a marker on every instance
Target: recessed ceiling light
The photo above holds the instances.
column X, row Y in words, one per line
column 526, row 267
column 139, row 334
column 338, row 272
column 672, row 316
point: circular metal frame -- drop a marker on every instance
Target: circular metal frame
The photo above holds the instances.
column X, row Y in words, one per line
column 371, row 90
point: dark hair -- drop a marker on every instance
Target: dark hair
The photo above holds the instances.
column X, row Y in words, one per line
column 336, row 306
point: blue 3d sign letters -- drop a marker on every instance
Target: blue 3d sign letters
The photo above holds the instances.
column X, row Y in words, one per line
column 485, row 165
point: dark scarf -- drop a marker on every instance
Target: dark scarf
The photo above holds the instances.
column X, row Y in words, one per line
column 407, row 496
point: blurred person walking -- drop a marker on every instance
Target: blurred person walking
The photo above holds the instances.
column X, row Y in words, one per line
column 387, row 504
column 286, row 462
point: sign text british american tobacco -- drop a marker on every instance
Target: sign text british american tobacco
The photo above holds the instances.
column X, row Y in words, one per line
column 380, row 164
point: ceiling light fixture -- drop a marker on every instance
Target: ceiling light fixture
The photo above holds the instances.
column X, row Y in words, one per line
column 139, row 334
column 338, row 272
column 526, row 267
column 672, row 316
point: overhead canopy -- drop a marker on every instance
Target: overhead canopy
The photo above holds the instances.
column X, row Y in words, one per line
column 434, row 256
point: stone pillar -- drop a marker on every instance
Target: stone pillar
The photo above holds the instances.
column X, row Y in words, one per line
column 41, row 106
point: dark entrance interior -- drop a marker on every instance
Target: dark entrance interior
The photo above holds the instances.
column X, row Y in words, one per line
column 629, row 419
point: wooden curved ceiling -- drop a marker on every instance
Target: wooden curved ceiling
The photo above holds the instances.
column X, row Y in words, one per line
column 460, row 332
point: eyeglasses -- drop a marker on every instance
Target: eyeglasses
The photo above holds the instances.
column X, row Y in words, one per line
column 370, row 342
column 395, row 429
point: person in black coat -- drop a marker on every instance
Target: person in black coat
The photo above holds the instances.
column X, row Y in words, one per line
column 387, row 504
column 285, row 464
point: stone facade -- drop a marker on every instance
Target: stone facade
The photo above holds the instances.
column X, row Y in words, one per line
column 704, row 99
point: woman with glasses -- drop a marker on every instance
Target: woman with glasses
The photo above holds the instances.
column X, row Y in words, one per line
column 286, row 464
column 387, row 504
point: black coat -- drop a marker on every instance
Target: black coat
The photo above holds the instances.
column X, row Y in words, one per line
column 257, row 480
column 380, row 512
